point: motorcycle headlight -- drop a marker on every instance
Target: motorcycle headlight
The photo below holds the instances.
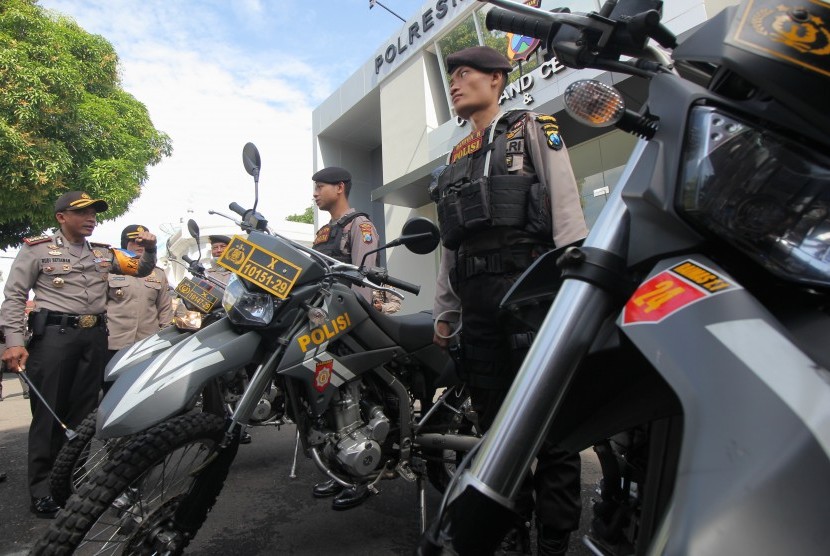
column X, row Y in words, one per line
column 767, row 195
column 247, row 308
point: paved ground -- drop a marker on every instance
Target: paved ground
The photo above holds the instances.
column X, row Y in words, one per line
column 260, row 511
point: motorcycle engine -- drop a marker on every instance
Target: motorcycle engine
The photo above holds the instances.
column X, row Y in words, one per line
column 356, row 442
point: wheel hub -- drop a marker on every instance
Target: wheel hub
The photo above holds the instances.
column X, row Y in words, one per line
column 157, row 533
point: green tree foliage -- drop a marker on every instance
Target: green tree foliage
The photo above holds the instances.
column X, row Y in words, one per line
column 65, row 122
column 464, row 35
column 306, row 218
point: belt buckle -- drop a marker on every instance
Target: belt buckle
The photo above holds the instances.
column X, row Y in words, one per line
column 87, row 321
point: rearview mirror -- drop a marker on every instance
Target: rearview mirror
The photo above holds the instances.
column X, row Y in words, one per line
column 419, row 235
column 193, row 228
column 251, row 160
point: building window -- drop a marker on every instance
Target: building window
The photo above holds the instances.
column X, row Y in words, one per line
column 598, row 165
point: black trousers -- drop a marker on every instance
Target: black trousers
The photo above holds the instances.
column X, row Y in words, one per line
column 491, row 360
column 67, row 366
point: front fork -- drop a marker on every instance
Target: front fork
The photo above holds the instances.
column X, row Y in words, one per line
column 261, row 380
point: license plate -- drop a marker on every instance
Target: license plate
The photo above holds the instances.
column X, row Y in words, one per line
column 259, row 266
column 193, row 293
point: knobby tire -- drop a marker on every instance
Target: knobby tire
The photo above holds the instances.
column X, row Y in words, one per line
column 134, row 467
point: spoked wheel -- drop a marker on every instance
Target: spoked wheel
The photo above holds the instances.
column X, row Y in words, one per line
column 149, row 498
column 454, row 418
column 79, row 459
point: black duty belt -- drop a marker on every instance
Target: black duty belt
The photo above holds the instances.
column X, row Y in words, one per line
column 76, row 321
column 502, row 261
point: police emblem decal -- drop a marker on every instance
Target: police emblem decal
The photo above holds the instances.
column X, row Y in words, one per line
column 798, row 34
column 322, row 374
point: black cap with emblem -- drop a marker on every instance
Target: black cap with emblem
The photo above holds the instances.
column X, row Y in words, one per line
column 332, row 174
column 481, row 58
column 131, row 232
column 219, row 239
column 76, row 200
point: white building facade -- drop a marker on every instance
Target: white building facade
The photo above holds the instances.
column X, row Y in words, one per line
column 391, row 123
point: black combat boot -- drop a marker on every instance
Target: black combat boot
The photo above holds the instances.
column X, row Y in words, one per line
column 551, row 542
column 350, row 498
column 326, row 489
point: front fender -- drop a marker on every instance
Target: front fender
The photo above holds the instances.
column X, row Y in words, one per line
column 152, row 390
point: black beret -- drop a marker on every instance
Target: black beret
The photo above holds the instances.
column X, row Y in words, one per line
column 74, row 200
column 131, row 232
column 479, row 57
column 332, row 174
column 219, row 239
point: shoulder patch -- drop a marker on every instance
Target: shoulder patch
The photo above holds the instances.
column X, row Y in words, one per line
column 36, row 239
column 551, row 130
column 95, row 244
column 366, row 232
column 516, row 129
column 323, row 235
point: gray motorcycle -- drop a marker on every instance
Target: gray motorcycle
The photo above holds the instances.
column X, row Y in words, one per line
column 687, row 337
column 358, row 384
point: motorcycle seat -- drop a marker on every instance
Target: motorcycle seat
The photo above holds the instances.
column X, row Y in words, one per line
column 411, row 332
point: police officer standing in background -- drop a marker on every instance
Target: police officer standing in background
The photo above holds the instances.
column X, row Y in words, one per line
column 349, row 234
column 136, row 307
column 347, row 237
column 517, row 162
column 66, row 354
column 218, row 244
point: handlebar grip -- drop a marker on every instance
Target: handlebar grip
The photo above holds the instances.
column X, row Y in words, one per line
column 509, row 22
column 237, row 208
column 402, row 285
column 187, row 259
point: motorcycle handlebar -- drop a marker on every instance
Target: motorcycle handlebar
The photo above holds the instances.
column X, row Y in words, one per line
column 402, row 285
column 526, row 25
column 237, row 208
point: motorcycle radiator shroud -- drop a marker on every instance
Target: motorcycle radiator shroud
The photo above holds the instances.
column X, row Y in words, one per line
column 153, row 389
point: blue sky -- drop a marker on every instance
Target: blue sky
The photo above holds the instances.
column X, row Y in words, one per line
column 216, row 74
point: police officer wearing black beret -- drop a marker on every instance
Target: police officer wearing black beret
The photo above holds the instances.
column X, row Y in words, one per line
column 347, row 237
column 65, row 357
column 350, row 234
column 522, row 175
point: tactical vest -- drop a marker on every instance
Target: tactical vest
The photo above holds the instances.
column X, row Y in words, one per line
column 327, row 240
column 475, row 193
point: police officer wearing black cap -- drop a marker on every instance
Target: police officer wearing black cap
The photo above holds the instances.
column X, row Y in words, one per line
column 136, row 307
column 513, row 166
column 350, row 234
column 218, row 244
column 65, row 356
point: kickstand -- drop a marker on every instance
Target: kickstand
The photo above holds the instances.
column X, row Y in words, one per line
column 293, row 474
column 422, row 502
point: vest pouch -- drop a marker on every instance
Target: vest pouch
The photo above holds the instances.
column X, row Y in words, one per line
column 509, row 198
column 539, row 218
column 454, row 179
column 449, row 220
column 474, row 205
